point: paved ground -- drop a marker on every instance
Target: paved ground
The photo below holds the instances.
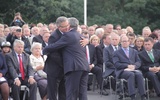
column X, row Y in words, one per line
column 96, row 96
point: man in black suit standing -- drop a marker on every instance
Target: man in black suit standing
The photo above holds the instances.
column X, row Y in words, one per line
column 150, row 59
column 21, row 71
column 127, row 63
column 108, row 55
column 54, row 63
column 74, row 60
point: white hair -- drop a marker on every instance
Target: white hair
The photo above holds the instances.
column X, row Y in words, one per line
column 99, row 31
column 35, row 44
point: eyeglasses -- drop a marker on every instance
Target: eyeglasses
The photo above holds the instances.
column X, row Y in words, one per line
column 124, row 41
column 64, row 26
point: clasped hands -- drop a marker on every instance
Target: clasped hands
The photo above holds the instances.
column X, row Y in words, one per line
column 130, row 68
column 154, row 69
column 18, row 82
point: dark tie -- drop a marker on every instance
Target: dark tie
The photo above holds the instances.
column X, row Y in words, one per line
column 21, row 67
column 151, row 56
column 116, row 48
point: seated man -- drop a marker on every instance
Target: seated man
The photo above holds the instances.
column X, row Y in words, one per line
column 108, row 55
column 20, row 71
column 150, row 59
column 127, row 63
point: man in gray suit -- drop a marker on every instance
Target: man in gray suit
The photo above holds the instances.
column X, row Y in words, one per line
column 76, row 67
column 21, row 71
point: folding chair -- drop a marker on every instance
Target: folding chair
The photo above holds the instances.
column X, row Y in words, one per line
column 121, row 82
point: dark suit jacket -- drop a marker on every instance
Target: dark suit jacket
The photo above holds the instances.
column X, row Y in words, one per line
column 157, row 46
column 3, row 66
column 146, row 61
column 121, row 61
column 107, row 56
column 74, row 55
column 37, row 38
column 54, row 62
column 92, row 54
column 135, row 47
column 13, row 65
column 99, row 55
column 27, row 45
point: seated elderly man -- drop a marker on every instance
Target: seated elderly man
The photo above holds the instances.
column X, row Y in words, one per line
column 21, row 71
column 127, row 63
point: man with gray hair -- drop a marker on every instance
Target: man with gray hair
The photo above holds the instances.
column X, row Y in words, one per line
column 53, row 64
column 20, row 71
column 75, row 64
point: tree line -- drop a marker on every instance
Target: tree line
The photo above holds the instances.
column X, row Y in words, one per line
column 135, row 13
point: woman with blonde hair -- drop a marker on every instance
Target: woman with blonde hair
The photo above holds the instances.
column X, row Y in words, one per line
column 139, row 41
column 94, row 40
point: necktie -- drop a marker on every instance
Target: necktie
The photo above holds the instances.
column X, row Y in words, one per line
column 21, row 67
column 127, row 52
column 150, row 54
column 115, row 48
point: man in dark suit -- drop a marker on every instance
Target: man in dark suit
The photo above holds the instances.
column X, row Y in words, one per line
column 18, row 35
column 127, row 63
column 150, row 59
column 54, row 63
column 108, row 55
column 39, row 37
column 74, row 60
column 92, row 61
column 99, row 49
column 21, row 71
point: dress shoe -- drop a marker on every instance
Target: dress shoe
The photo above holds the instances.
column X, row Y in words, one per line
column 133, row 97
column 105, row 93
column 88, row 89
column 143, row 97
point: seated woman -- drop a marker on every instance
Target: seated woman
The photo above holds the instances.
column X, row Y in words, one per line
column 37, row 63
column 139, row 41
column 94, row 40
column 4, row 88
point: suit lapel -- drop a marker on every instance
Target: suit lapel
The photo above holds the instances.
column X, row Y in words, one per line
column 145, row 53
column 154, row 54
column 111, row 49
column 130, row 53
column 15, row 59
column 121, row 51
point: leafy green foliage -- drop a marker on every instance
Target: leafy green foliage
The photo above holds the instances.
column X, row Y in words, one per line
column 135, row 13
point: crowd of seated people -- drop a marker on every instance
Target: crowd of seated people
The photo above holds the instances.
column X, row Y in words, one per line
column 106, row 45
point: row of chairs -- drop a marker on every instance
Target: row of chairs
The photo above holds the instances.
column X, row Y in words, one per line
column 121, row 83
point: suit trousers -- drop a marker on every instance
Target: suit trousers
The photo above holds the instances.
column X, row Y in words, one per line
column 155, row 80
column 56, row 86
column 32, row 89
column 76, row 85
column 98, row 72
column 133, row 77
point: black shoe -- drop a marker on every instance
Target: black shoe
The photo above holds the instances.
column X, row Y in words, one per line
column 105, row 93
column 133, row 97
column 120, row 97
column 143, row 97
column 88, row 89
